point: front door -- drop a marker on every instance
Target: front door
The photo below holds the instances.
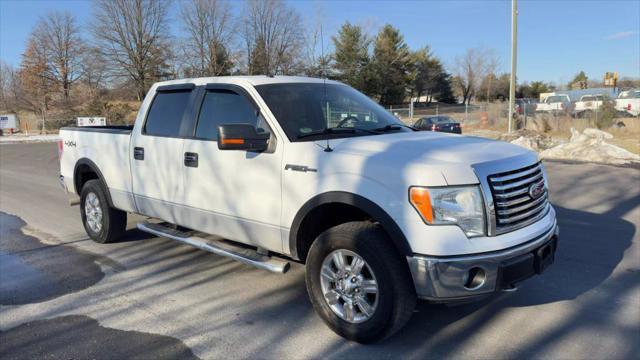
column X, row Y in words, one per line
column 232, row 193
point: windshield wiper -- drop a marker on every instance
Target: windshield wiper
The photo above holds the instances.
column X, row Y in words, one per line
column 352, row 130
column 328, row 131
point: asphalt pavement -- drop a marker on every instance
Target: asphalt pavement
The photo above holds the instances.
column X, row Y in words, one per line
column 64, row 296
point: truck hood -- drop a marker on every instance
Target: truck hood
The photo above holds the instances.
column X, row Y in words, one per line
column 432, row 158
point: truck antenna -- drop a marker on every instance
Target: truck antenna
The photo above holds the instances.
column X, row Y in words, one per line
column 324, row 82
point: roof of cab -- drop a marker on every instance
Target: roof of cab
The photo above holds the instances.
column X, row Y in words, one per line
column 254, row 80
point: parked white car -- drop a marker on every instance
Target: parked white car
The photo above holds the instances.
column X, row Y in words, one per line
column 315, row 172
column 555, row 104
column 589, row 104
column 629, row 102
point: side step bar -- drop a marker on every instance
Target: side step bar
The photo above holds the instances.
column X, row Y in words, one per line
column 243, row 255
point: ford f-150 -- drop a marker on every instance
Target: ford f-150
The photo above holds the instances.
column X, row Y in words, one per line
column 269, row 170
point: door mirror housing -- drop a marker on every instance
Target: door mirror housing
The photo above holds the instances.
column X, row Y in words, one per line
column 242, row 137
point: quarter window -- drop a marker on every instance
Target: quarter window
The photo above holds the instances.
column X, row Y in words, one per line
column 221, row 107
column 166, row 113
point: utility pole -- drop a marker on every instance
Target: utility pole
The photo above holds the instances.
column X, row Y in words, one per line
column 514, row 54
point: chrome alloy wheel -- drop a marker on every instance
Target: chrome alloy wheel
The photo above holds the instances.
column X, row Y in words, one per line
column 93, row 212
column 349, row 286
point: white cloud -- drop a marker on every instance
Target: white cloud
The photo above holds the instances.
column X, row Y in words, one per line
column 620, row 35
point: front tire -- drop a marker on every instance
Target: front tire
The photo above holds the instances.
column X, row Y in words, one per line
column 102, row 223
column 358, row 283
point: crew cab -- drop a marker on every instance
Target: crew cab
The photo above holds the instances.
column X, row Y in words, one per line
column 270, row 170
column 555, row 104
column 589, row 104
column 628, row 102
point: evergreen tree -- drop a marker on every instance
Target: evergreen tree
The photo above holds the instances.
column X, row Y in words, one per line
column 391, row 66
column 429, row 77
column 352, row 57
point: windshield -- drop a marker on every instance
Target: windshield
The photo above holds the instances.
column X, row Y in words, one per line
column 555, row 99
column 438, row 120
column 630, row 95
column 309, row 111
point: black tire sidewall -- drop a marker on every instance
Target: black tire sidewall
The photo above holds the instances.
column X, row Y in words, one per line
column 94, row 186
column 362, row 242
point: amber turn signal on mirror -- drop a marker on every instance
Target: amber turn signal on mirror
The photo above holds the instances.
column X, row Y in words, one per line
column 233, row 141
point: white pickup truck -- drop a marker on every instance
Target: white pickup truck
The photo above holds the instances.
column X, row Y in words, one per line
column 555, row 104
column 629, row 102
column 589, row 104
column 268, row 170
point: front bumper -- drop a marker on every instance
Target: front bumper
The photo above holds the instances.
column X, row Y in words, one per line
column 451, row 278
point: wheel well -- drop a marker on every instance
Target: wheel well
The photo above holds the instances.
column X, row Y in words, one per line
column 322, row 218
column 83, row 173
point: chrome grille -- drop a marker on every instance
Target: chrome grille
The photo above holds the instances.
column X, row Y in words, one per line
column 515, row 206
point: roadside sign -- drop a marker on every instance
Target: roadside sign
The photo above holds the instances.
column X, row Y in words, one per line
column 92, row 121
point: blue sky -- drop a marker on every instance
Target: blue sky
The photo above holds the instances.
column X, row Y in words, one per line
column 556, row 38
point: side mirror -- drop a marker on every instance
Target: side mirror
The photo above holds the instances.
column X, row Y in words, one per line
column 242, row 137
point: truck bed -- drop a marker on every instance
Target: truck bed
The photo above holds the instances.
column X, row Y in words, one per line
column 106, row 148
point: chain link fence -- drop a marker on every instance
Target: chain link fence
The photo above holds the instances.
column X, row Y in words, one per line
column 495, row 116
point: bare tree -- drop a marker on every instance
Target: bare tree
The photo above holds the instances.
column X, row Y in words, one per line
column 316, row 58
column 469, row 70
column 131, row 35
column 60, row 40
column 6, row 73
column 9, row 87
column 94, row 70
column 35, row 83
column 210, row 30
column 490, row 67
column 272, row 33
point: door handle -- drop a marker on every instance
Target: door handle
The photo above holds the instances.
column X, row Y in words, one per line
column 191, row 159
column 138, row 153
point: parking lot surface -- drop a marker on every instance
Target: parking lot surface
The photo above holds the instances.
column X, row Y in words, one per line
column 64, row 296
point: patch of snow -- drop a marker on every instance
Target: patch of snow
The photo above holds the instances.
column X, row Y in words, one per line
column 530, row 140
column 527, row 143
column 590, row 145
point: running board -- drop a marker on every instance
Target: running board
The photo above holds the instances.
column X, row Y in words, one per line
column 243, row 255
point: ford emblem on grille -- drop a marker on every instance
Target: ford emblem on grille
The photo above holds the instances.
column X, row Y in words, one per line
column 536, row 190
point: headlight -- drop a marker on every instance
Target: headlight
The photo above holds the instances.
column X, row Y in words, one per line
column 461, row 206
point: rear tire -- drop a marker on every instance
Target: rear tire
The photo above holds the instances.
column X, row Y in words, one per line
column 102, row 223
column 395, row 297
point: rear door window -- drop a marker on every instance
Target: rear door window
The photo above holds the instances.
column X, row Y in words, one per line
column 226, row 107
column 165, row 117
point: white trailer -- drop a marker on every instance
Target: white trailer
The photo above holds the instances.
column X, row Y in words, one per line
column 8, row 123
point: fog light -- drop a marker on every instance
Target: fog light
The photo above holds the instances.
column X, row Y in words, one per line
column 475, row 278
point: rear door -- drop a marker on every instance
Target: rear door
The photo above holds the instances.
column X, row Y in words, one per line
column 156, row 152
